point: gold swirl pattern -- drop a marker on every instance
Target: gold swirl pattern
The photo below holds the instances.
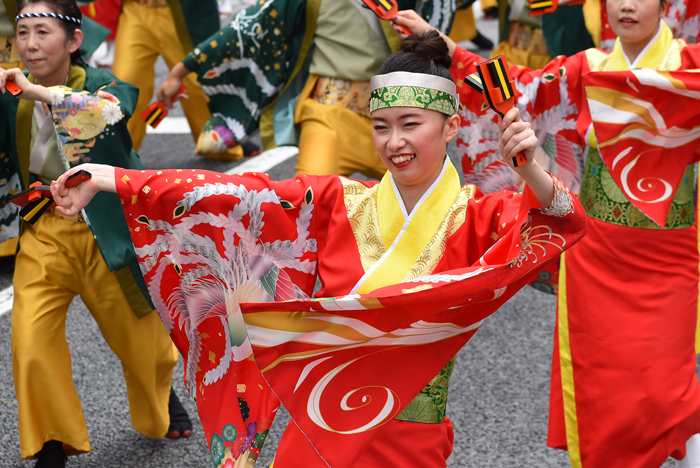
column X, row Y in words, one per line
column 361, row 206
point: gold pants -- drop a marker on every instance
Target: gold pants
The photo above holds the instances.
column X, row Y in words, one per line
column 464, row 26
column 144, row 34
column 334, row 140
column 58, row 260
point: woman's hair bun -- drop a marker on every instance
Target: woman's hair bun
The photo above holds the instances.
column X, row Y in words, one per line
column 428, row 46
column 420, row 53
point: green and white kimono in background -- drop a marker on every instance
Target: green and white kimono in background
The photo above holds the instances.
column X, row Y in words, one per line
column 255, row 68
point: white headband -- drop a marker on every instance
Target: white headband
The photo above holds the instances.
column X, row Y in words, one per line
column 405, row 89
column 47, row 15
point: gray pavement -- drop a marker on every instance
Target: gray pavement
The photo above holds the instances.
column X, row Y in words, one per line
column 498, row 393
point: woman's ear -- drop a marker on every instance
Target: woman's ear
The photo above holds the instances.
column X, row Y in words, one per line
column 452, row 127
column 76, row 41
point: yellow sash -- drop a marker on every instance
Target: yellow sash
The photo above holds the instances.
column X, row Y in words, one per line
column 407, row 235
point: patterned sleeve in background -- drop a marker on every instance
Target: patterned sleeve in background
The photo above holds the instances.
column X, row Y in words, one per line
column 244, row 66
column 83, row 120
column 547, row 98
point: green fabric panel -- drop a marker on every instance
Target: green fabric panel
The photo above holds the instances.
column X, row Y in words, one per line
column 7, row 22
column 430, row 405
column 342, row 31
column 132, row 283
column 604, row 200
column 104, row 213
column 235, row 60
column 201, row 18
column 438, row 13
column 94, row 34
column 565, row 31
column 11, row 8
column 9, row 174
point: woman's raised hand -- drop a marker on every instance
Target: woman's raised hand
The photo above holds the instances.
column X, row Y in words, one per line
column 29, row 91
column 412, row 21
column 515, row 136
column 70, row 201
column 417, row 25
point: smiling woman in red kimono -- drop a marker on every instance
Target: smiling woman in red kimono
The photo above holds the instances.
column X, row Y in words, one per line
column 414, row 262
column 624, row 387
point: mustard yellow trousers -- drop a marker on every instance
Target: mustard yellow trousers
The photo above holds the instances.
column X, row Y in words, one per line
column 144, row 34
column 334, row 140
column 59, row 259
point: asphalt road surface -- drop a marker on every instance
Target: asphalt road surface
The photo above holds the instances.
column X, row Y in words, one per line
column 498, row 393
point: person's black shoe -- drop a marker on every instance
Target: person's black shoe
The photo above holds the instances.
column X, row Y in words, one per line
column 482, row 42
column 7, row 265
column 250, row 149
column 491, row 14
column 51, row 455
column 180, row 423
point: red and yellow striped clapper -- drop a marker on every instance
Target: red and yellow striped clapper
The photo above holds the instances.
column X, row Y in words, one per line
column 498, row 89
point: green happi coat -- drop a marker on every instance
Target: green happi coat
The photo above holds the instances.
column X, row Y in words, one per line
column 255, row 68
column 90, row 115
column 195, row 20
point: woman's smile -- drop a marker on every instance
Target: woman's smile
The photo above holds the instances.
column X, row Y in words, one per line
column 402, row 160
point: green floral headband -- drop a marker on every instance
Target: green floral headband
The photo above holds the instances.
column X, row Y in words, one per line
column 404, row 89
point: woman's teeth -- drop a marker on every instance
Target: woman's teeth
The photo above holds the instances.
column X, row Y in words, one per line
column 400, row 159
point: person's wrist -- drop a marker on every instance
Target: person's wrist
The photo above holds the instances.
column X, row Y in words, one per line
column 38, row 92
column 527, row 170
column 179, row 71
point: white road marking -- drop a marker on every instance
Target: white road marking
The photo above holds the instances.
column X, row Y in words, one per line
column 6, row 297
column 266, row 160
column 172, row 126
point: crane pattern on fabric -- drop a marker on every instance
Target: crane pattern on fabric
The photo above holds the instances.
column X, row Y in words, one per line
column 211, row 246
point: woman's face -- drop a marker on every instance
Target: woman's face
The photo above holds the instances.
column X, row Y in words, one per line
column 635, row 21
column 412, row 142
column 43, row 45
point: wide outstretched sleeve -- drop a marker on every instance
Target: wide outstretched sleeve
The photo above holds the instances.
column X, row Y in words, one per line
column 206, row 243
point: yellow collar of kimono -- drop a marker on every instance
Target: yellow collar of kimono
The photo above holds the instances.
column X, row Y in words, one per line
column 650, row 57
column 406, row 235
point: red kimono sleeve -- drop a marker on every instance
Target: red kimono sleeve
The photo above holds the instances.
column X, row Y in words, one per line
column 206, row 243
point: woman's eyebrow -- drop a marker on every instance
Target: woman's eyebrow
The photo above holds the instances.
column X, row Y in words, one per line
column 35, row 25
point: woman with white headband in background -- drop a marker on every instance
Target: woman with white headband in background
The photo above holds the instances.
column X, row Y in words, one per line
column 88, row 254
column 619, row 128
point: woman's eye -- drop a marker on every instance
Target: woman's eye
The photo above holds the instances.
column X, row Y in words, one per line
column 379, row 127
column 411, row 124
